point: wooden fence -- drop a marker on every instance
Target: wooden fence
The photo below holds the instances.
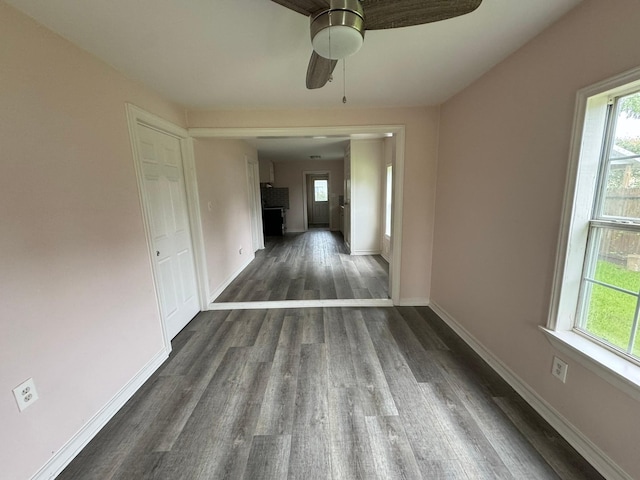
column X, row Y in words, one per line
column 619, row 246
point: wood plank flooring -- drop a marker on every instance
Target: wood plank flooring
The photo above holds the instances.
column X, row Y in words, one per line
column 333, row 393
column 313, row 265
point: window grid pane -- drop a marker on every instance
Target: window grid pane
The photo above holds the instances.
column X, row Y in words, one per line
column 610, row 316
column 610, row 291
column 620, row 196
column 320, row 190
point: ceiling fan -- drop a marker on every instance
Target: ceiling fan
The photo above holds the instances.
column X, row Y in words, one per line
column 338, row 26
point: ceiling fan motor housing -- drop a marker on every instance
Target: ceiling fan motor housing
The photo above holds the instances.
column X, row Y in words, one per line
column 338, row 32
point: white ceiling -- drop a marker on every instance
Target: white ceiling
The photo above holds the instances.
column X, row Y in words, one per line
column 225, row 54
column 221, row 54
column 287, row 149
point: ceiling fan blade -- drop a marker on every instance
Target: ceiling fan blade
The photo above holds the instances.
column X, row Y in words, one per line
column 319, row 71
column 381, row 14
column 305, row 7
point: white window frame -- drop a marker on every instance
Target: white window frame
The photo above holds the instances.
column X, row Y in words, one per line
column 388, row 196
column 580, row 190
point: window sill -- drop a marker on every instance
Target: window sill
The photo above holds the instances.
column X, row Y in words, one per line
column 619, row 372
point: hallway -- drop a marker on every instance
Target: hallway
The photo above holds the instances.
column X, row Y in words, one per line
column 314, row 265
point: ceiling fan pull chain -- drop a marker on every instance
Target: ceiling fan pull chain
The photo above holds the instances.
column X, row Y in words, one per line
column 331, row 74
column 344, row 80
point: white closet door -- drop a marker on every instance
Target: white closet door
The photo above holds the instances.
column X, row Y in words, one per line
column 166, row 204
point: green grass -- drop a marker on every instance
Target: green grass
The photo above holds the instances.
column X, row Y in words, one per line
column 611, row 312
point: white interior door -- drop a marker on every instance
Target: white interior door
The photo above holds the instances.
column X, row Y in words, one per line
column 165, row 199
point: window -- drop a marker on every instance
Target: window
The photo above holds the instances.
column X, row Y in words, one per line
column 388, row 201
column 320, row 190
column 595, row 310
column 609, row 306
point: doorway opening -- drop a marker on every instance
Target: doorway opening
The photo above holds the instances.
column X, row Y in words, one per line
column 293, row 134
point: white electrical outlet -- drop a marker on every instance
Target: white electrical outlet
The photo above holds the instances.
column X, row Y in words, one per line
column 559, row 369
column 25, row 394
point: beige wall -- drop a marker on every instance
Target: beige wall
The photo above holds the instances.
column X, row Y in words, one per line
column 290, row 175
column 420, row 170
column 78, row 311
column 504, row 147
column 222, row 183
column 266, row 170
column 367, row 158
column 78, row 304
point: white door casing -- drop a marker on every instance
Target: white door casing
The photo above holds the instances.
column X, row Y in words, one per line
column 398, row 131
column 159, row 158
column 387, row 201
column 387, row 206
column 253, row 181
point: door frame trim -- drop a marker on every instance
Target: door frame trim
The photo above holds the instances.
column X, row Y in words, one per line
column 137, row 116
column 305, row 203
column 384, row 236
column 256, row 210
column 355, row 131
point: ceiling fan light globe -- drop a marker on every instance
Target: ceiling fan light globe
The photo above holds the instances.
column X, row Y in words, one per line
column 337, row 42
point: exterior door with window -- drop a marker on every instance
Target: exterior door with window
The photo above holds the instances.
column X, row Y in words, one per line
column 318, row 200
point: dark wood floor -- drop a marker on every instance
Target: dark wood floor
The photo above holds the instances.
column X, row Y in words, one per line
column 313, row 265
column 333, row 393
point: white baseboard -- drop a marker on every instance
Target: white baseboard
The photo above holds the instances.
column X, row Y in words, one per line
column 230, row 279
column 365, row 252
column 413, row 302
column 72, row 448
column 594, row 455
